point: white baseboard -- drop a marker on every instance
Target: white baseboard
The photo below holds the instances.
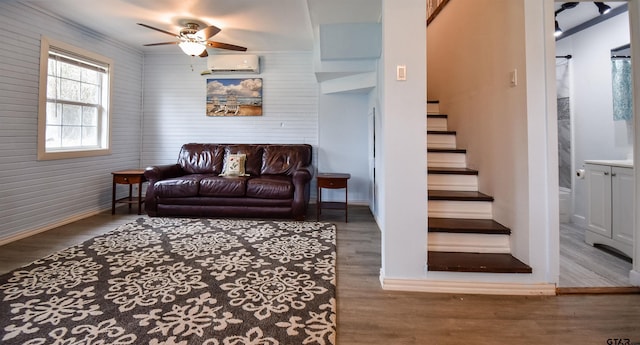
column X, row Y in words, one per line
column 50, row 226
column 476, row 288
column 634, row 277
column 579, row 220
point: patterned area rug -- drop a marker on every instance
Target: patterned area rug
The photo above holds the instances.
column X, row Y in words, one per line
column 177, row 282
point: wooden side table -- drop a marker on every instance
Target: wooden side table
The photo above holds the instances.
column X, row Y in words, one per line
column 332, row 181
column 130, row 177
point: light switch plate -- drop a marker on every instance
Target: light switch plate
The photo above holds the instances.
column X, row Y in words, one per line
column 401, row 72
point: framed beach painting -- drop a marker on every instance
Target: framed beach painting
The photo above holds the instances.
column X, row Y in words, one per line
column 234, row 97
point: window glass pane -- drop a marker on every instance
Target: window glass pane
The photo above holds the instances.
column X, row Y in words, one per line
column 69, row 71
column 89, row 93
column 54, row 116
column 69, row 90
column 52, row 67
column 71, row 137
column 90, row 77
column 89, row 116
column 71, row 115
column 89, row 136
column 53, row 136
column 74, row 115
column 52, row 87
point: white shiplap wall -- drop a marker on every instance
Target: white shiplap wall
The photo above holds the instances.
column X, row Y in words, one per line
column 35, row 195
column 174, row 105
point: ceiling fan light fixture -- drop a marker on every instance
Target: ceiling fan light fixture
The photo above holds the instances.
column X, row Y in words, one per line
column 602, row 7
column 558, row 31
column 192, row 48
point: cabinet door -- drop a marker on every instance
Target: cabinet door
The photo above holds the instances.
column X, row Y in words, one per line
column 599, row 199
column 622, row 189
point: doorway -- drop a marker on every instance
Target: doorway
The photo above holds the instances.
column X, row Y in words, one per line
column 588, row 132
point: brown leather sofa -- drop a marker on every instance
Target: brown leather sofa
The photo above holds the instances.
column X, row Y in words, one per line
column 277, row 185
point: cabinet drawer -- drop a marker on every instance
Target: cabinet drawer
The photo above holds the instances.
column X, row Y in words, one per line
column 332, row 183
column 128, row 179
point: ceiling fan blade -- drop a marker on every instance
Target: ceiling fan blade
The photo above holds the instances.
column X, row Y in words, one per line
column 163, row 31
column 207, row 32
column 227, row 46
column 204, row 54
column 160, row 44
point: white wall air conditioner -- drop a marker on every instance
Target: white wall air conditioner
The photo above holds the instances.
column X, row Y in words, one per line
column 233, row 63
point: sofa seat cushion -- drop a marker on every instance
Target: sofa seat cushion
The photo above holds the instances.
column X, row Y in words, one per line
column 223, row 186
column 270, row 187
column 178, row 187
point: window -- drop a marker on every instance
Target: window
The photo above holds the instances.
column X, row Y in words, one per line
column 73, row 114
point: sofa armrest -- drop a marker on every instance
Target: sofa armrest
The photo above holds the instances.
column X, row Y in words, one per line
column 303, row 175
column 302, row 183
column 153, row 175
column 161, row 172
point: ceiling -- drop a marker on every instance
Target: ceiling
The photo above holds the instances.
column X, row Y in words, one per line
column 584, row 12
column 259, row 25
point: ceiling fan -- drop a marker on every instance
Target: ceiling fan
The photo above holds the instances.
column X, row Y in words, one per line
column 193, row 40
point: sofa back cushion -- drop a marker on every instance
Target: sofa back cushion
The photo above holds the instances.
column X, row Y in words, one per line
column 267, row 159
column 201, row 158
column 253, row 163
column 284, row 159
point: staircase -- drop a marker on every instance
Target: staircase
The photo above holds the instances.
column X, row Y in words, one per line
column 463, row 237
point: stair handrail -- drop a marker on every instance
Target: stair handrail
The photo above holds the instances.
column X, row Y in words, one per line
column 434, row 7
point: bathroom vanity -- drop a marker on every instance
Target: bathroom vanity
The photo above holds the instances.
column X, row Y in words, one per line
column 610, row 204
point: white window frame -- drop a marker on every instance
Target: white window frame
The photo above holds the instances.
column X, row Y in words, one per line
column 104, row 118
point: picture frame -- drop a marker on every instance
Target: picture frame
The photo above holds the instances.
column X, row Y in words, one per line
column 234, row 97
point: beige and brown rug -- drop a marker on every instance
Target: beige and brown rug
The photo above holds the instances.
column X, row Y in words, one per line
column 178, row 282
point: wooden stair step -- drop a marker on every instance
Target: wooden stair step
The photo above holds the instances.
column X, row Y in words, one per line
column 446, row 150
column 442, row 132
column 458, row 195
column 467, row 226
column 475, row 262
column 433, row 107
column 452, row 171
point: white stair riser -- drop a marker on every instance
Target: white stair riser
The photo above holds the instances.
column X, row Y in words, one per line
column 460, row 209
column 453, row 182
column 433, row 108
column 436, row 124
column 469, row 243
column 441, row 141
column 447, row 160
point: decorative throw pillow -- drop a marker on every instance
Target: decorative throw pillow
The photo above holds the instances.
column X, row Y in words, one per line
column 234, row 165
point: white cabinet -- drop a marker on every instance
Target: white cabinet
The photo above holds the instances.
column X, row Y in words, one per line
column 610, row 206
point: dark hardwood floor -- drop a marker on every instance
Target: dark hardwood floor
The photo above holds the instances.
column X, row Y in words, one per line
column 369, row 315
